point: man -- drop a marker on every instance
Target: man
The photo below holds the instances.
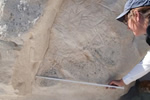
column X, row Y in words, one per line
column 136, row 16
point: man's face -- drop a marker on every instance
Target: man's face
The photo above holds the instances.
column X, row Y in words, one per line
column 136, row 24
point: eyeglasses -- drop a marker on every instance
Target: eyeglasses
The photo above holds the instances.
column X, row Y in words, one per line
column 127, row 17
column 125, row 22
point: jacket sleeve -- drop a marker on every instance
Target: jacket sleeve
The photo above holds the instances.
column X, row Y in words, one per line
column 139, row 70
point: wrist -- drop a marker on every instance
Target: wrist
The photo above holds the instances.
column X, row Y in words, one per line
column 122, row 82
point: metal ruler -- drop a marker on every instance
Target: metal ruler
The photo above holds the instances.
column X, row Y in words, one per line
column 78, row 82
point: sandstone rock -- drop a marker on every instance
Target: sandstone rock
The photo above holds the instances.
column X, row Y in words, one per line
column 88, row 44
column 25, row 32
column 37, row 40
column 70, row 39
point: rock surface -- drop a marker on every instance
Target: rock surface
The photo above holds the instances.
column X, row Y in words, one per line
column 23, row 49
column 70, row 39
column 17, row 17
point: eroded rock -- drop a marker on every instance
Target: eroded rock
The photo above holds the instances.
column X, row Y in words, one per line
column 24, row 38
column 70, row 39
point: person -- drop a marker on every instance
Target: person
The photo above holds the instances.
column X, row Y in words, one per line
column 136, row 16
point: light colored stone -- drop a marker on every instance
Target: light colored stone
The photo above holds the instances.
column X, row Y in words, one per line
column 35, row 46
column 88, row 44
column 23, row 49
column 70, row 39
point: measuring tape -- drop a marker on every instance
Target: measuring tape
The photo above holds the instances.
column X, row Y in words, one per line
column 78, row 82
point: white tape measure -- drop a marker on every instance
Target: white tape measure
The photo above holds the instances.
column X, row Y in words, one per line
column 78, row 82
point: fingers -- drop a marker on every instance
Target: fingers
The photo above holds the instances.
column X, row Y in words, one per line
column 116, row 83
column 113, row 83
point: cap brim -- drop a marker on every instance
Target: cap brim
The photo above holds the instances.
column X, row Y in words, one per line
column 121, row 17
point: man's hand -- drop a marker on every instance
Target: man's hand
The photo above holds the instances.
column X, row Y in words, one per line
column 117, row 83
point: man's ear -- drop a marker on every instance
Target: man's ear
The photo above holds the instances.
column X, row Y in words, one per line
column 137, row 16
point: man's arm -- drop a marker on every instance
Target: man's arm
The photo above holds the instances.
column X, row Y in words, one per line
column 139, row 70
